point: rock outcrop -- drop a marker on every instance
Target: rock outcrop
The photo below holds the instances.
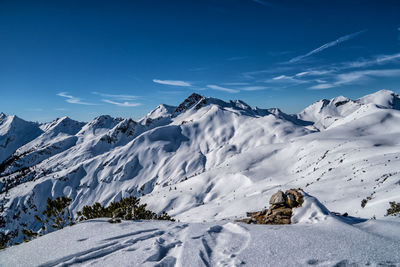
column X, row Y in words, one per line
column 280, row 210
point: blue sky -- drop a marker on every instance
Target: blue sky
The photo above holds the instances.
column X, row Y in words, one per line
column 123, row 58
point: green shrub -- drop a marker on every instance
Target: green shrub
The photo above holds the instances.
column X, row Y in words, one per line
column 394, row 209
column 56, row 216
column 127, row 209
column 363, row 203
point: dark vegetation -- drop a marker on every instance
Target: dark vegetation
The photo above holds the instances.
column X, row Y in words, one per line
column 394, row 209
column 125, row 209
column 57, row 215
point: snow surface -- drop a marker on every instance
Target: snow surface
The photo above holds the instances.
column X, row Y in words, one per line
column 210, row 160
column 14, row 133
column 317, row 239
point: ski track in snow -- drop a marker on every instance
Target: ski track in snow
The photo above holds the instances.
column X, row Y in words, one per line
column 218, row 246
column 331, row 242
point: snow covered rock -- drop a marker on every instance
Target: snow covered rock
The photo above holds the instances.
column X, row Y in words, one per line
column 280, row 211
column 277, row 198
column 311, row 211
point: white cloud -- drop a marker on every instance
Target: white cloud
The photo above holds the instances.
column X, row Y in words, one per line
column 313, row 73
column 321, row 86
column 122, row 104
column 253, row 88
column 327, row 45
column 74, row 100
column 252, row 74
column 355, row 77
column 264, row 3
column 235, row 83
column 285, row 80
column 219, row 88
column 119, row 97
column 172, row 82
column 377, row 60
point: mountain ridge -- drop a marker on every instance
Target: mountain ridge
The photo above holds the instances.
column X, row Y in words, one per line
column 206, row 159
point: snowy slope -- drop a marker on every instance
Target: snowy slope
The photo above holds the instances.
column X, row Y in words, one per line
column 14, row 133
column 324, row 113
column 213, row 160
column 57, row 136
column 316, row 237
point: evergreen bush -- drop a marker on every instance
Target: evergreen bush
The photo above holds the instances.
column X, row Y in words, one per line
column 57, row 215
column 394, row 209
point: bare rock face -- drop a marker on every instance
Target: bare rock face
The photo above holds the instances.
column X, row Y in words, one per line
column 277, row 198
column 280, row 211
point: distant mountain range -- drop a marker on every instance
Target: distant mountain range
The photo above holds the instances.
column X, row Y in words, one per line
column 206, row 159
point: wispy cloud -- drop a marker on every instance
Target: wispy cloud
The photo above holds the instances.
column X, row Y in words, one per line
column 327, row 45
column 333, row 70
column 253, row 74
column 224, row 89
column 355, row 77
column 254, row 88
column 313, row 73
column 264, row 3
column 121, row 104
column 172, row 82
column 376, row 60
column 119, row 97
column 235, row 83
column 285, row 79
column 74, row 100
column 321, row 86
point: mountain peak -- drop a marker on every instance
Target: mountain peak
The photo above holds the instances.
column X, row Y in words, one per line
column 2, row 116
column 193, row 100
column 382, row 98
column 241, row 104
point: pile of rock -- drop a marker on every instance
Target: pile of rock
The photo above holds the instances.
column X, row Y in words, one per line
column 280, row 210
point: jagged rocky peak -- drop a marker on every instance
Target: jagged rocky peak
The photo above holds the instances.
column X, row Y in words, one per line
column 126, row 126
column 241, row 104
column 124, row 129
column 275, row 111
column 194, row 100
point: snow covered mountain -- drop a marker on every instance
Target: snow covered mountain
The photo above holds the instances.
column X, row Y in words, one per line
column 207, row 159
column 14, row 133
column 324, row 113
